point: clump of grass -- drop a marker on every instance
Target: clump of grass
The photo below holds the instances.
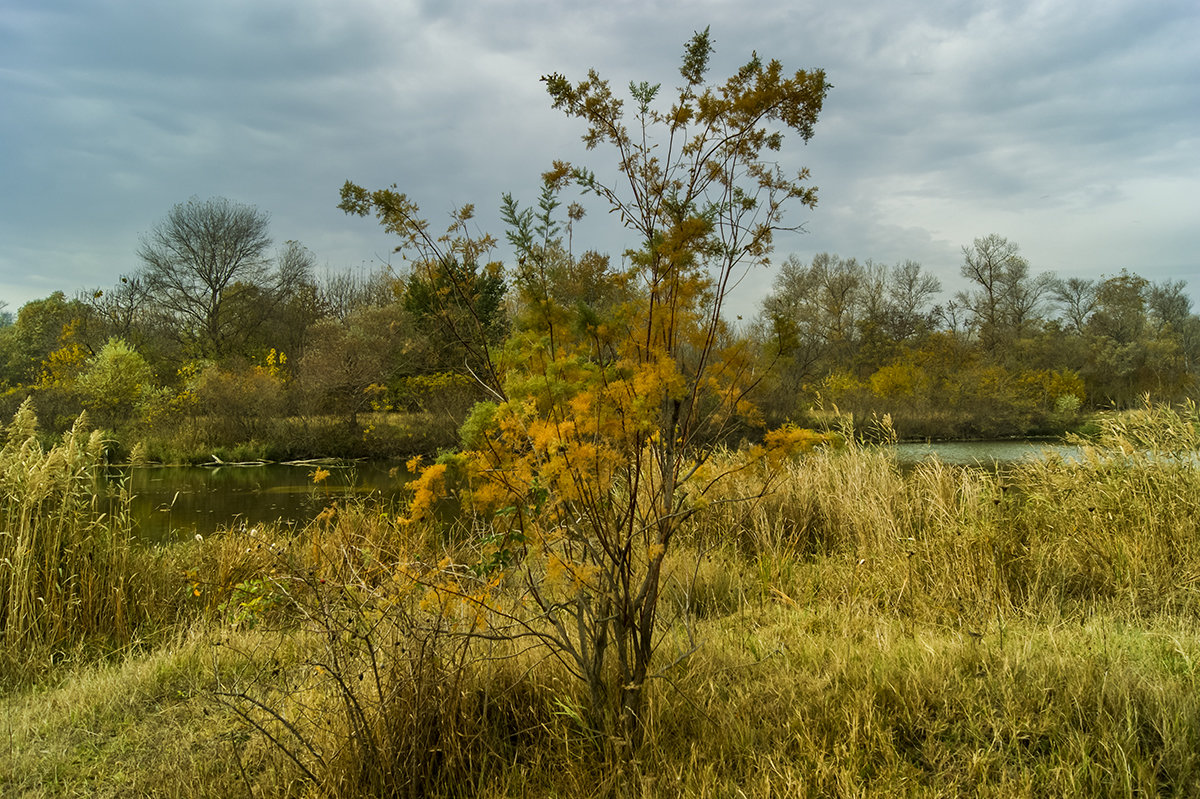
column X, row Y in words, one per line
column 783, row 702
column 857, row 630
column 959, row 545
column 65, row 566
column 397, row 692
column 142, row 726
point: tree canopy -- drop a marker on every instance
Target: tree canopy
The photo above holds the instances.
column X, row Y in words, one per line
column 208, row 269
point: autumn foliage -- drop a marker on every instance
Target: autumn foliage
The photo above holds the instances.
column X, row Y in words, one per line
column 616, row 385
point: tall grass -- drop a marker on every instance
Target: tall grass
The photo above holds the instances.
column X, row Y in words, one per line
column 860, row 630
column 365, row 682
column 65, row 567
column 1119, row 527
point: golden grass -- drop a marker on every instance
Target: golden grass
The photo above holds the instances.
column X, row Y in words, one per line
column 862, row 631
column 147, row 726
column 64, row 560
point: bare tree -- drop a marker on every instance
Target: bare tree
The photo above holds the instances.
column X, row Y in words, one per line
column 194, row 256
column 910, row 290
column 343, row 293
column 1007, row 300
column 119, row 310
column 1076, row 298
column 1169, row 304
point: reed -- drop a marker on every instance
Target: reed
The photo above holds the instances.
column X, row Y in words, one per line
column 856, row 630
column 65, row 566
column 1120, row 527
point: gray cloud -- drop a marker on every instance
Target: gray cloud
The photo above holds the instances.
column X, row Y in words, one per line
column 1069, row 127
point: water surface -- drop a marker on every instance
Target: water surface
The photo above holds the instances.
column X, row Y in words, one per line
column 173, row 502
column 987, row 454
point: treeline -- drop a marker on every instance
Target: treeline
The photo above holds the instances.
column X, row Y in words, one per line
column 219, row 343
column 1016, row 353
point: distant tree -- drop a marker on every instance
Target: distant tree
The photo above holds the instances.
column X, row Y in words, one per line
column 113, row 382
column 895, row 312
column 1168, row 305
column 1128, row 355
column 910, row 294
column 1076, row 300
column 339, row 294
column 347, row 357
column 1171, row 316
column 789, row 335
column 811, row 315
column 239, row 402
column 279, row 316
column 837, row 314
column 452, row 290
column 460, row 305
column 206, row 266
column 1120, row 312
column 41, row 327
column 1006, row 299
column 121, row 310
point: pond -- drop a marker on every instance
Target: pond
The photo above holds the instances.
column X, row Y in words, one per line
column 988, row 454
column 173, row 502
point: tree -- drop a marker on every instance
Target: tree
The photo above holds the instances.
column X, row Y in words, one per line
column 836, row 314
column 910, row 292
column 703, row 204
column 114, row 381
column 340, row 294
column 42, row 327
column 1076, row 298
column 598, row 445
column 1120, row 309
column 1171, row 316
column 206, row 267
column 456, row 302
column 1140, row 340
column 277, row 317
column 239, row 402
column 452, row 290
column 810, row 319
column 346, row 358
column 1007, row 300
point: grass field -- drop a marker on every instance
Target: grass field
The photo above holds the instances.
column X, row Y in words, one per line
column 860, row 631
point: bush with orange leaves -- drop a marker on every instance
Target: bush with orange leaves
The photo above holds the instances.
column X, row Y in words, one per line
column 615, row 385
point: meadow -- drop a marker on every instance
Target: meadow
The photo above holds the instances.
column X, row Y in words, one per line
column 857, row 629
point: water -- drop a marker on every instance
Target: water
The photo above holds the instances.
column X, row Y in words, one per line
column 987, row 454
column 174, row 502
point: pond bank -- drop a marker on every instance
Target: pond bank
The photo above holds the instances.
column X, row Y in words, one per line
column 175, row 502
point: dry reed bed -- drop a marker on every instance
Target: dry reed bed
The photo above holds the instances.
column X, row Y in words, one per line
column 64, row 560
column 857, row 631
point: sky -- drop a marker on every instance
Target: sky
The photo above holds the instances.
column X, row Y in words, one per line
column 1070, row 128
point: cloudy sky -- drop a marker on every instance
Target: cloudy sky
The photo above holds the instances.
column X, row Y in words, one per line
column 1071, row 128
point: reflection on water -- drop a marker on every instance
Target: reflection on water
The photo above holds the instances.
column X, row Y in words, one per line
column 989, row 454
column 173, row 502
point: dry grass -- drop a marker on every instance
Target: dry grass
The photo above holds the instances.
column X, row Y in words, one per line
column 147, row 726
column 862, row 631
column 64, row 559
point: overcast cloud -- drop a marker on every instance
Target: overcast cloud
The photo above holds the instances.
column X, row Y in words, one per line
column 1072, row 128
